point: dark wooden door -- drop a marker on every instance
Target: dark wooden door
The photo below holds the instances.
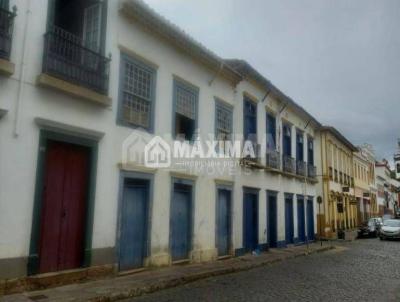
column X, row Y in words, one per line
column 310, row 219
column 272, row 215
column 181, row 222
column 64, row 207
column 301, row 221
column 289, row 228
column 250, row 209
column 134, row 219
column 223, row 222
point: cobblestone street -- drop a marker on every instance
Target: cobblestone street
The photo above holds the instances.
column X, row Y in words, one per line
column 364, row 270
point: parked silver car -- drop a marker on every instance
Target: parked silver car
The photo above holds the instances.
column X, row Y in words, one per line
column 390, row 229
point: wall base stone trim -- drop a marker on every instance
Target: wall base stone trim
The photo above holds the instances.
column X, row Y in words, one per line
column 158, row 260
column 204, row 255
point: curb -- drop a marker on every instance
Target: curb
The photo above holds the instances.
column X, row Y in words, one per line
column 139, row 291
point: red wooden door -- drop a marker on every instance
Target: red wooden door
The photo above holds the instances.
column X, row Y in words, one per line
column 64, row 207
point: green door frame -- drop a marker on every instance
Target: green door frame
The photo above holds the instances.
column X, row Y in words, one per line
column 92, row 145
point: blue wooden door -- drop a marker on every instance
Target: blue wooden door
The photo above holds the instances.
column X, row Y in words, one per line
column 250, row 208
column 272, row 221
column 310, row 219
column 301, row 220
column 134, row 218
column 223, row 222
column 289, row 229
column 181, row 222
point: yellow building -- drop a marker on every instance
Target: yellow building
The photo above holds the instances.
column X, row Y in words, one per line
column 364, row 183
column 338, row 208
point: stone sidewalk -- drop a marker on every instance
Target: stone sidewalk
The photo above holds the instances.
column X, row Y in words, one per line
column 115, row 288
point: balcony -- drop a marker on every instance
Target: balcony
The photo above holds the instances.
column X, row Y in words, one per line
column 74, row 68
column 273, row 159
column 311, row 171
column 253, row 162
column 288, row 164
column 6, row 34
column 301, row 168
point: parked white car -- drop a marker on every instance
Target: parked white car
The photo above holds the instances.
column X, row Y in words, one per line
column 390, row 229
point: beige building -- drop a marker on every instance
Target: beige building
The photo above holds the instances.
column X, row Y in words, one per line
column 364, row 184
column 338, row 210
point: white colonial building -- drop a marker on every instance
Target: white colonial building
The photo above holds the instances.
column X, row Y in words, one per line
column 83, row 81
column 387, row 197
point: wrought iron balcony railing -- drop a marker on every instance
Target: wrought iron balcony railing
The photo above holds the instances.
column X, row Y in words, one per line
column 288, row 164
column 66, row 57
column 257, row 153
column 6, row 32
column 273, row 159
column 312, row 171
column 301, row 167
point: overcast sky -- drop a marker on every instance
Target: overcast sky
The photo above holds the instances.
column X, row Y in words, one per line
column 339, row 59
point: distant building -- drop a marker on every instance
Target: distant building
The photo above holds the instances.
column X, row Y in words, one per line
column 337, row 189
column 365, row 188
column 386, row 199
column 397, row 161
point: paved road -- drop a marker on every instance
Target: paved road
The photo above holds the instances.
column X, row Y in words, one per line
column 365, row 270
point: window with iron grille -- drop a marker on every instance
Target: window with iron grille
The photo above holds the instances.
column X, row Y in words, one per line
column 223, row 121
column 223, row 124
column 137, row 95
column 185, row 102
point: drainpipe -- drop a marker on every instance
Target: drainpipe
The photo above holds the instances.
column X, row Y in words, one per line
column 20, row 92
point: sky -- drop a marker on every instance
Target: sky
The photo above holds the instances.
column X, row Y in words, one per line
column 339, row 59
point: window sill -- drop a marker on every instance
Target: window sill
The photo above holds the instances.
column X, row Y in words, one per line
column 48, row 81
column 6, row 67
column 123, row 123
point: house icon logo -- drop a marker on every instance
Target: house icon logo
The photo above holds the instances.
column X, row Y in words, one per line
column 157, row 153
column 133, row 147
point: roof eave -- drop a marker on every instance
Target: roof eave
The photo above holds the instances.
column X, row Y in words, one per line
column 145, row 16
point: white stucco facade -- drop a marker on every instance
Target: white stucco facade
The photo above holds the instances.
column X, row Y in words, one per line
column 31, row 109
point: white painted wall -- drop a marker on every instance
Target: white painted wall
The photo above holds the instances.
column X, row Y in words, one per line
column 19, row 145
